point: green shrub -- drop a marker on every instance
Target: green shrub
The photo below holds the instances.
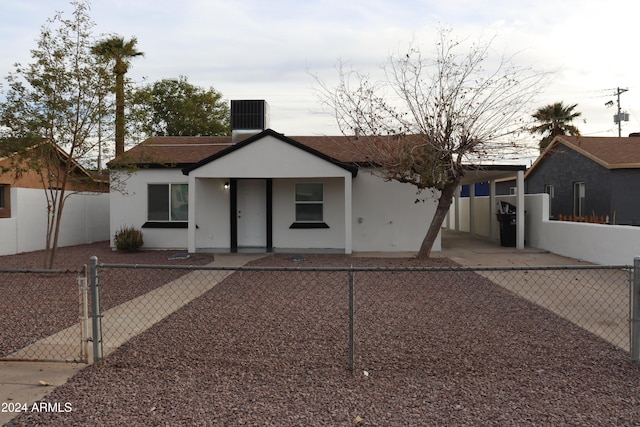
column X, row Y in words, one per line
column 128, row 239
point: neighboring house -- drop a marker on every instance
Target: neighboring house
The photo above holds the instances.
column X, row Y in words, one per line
column 266, row 192
column 23, row 207
column 590, row 176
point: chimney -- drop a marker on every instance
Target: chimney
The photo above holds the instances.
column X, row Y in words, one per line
column 248, row 118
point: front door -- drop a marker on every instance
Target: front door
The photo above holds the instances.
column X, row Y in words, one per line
column 252, row 213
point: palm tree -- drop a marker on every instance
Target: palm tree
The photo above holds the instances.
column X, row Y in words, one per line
column 555, row 119
column 120, row 52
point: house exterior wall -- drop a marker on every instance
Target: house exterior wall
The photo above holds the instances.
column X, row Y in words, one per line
column 212, row 214
column 285, row 165
column 27, row 179
column 561, row 169
column 625, row 196
column 129, row 207
column 284, row 237
column 268, row 158
column 386, row 217
column 85, row 219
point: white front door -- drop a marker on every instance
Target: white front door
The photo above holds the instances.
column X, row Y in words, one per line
column 252, row 213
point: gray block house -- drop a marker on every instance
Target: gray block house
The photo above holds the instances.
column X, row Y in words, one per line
column 587, row 176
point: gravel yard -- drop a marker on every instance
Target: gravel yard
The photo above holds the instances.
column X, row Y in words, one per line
column 25, row 319
column 270, row 348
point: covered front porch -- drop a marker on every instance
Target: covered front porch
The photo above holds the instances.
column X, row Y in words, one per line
column 269, row 193
column 249, row 214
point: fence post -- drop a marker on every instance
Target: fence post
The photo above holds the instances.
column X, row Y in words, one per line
column 635, row 312
column 84, row 315
column 351, row 321
column 95, row 311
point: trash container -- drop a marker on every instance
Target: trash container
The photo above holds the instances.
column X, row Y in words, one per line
column 507, row 219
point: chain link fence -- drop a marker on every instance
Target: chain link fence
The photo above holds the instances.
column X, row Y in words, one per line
column 336, row 316
column 406, row 317
column 255, row 315
column 368, row 317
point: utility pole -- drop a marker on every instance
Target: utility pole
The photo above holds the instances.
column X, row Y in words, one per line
column 618, row 118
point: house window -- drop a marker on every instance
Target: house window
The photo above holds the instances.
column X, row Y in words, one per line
column 578, row 198
column 548, row 188
column 5, row 211
column 168, row 202
column 309, row 202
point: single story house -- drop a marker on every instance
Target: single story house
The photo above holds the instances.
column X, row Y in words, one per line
column 590, row 176
column 259, row 190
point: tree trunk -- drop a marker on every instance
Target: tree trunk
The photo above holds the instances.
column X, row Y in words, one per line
column 56, row 230
column 444, row 203
column 120, row 123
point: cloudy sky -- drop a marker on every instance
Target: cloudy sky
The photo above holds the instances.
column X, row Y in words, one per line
column 268, row 49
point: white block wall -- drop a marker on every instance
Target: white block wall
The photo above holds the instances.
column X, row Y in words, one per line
column 85, row 219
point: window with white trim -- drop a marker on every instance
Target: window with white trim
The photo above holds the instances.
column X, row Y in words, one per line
column 168, row 202
column 309, row 202
column 3, row 203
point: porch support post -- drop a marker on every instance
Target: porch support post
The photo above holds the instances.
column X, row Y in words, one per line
column 492, row 210
column 457, row 218
column 472, row 208
column 191, row 227
column 348, row 212
column 520, row 210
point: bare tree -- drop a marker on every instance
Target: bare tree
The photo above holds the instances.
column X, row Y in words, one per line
column 51, row 112
column 431, row 116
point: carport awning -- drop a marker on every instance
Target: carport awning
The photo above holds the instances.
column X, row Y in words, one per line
column 482, row 173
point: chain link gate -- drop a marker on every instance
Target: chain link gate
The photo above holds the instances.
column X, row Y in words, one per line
column 43, row 316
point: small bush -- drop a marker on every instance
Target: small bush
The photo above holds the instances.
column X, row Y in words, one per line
column 128, row 239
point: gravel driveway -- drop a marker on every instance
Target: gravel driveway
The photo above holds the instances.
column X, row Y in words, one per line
column 269, row 348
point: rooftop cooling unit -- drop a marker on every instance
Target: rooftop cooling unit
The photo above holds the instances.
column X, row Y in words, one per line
column 249, row 115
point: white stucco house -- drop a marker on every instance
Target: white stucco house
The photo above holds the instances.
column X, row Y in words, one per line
column 259, row 190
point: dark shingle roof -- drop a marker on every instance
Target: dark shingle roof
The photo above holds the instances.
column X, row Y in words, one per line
column 609, row 152
column 184, row 151
column 177, row 151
